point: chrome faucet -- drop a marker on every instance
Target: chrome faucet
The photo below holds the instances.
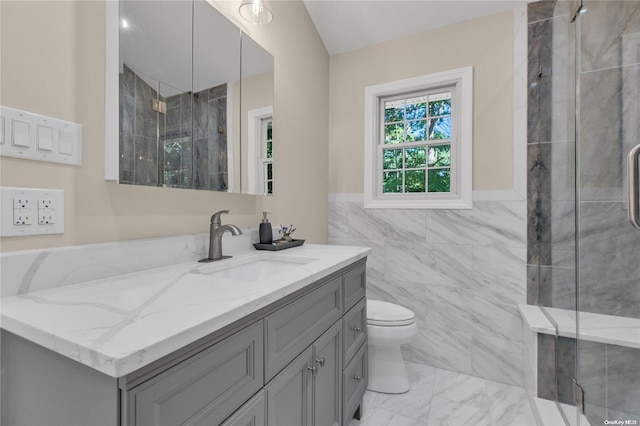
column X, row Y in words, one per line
column 215, row 237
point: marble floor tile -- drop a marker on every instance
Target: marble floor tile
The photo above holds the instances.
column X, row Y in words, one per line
column 442, row 397
column 416, row 403
column 452, row 413
column 508, row 405
column 382, row 417
column 461, row 388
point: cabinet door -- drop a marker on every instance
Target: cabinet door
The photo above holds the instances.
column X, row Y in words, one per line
column 289, row 394
column 354, row 332
column 354, row 383
column 250, row 414
column 297, row 325
column 355, row 286
column 204, row 389
column 327, row 390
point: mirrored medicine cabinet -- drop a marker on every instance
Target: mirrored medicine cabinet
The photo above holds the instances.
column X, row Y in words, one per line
column 189, row 99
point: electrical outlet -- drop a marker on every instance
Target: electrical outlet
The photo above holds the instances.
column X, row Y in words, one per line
column 22, row 219
column 25, row 211
column 46, row 219
column 46, row 203
column 22, row 203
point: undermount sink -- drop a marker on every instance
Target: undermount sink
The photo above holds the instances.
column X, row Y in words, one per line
column 254, row 268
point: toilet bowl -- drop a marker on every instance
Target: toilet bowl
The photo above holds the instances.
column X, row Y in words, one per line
column 388, row 326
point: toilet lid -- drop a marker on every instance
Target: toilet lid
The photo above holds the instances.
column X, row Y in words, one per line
column 390, row 314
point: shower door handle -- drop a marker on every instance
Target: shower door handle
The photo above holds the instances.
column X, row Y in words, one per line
column 634, row 186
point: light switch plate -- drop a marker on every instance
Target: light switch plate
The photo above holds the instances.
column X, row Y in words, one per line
column 38, row 137
column 27, row 211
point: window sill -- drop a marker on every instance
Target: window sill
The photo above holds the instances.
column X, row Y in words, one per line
column 453, row 204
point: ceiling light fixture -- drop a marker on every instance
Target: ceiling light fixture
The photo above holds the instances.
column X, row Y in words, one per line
column 256, row 11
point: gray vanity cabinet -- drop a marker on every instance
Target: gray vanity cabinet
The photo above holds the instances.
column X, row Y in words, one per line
column 204, row 389
column 354, row 383
column 250, row 414
column 307, row 392
column 354, row 332
column 355, row 286
column 300, row 361
column 294, row 327
column 289, row 398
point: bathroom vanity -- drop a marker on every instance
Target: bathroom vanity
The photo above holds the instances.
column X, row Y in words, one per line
column 263, row 339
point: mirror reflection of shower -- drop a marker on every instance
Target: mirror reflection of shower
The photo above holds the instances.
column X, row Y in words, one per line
column 180, row 90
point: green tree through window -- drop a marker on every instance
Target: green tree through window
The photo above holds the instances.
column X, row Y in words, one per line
column 416, row 156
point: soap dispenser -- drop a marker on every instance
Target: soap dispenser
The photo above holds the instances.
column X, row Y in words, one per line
column 266, row 234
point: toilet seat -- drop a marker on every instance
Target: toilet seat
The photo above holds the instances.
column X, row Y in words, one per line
column 385, row 314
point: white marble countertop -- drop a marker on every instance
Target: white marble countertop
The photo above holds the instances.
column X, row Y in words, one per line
column 601, row 328
column 120, row 324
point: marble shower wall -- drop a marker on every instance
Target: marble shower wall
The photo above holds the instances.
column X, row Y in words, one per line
column 461, row 271
column 609, row 127
column 139, row 153
column 551, row 156
column 195, row 153
column 184, row 148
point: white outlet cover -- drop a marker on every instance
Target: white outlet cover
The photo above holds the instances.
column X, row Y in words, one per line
column 9, row 229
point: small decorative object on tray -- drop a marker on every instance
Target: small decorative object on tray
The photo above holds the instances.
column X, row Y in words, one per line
column 285, row 232
column 284, row 242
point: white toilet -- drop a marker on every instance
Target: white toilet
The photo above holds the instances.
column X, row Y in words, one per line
column 388, row 326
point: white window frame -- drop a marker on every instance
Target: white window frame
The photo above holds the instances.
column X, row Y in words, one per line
column 460, row 196
column 255, row 175
column 264, row 160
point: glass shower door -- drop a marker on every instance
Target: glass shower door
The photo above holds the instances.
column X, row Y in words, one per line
column 607, row 243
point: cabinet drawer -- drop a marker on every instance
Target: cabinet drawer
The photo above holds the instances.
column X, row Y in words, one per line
column 250, row 414
column 354, row 383
column 354, row 286
column 297, row 325
column 354, row 331
column 204, row 389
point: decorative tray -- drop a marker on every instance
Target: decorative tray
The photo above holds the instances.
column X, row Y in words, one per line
column 278, row 246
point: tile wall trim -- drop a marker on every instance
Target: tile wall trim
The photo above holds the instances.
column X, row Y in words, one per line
column 497, row 195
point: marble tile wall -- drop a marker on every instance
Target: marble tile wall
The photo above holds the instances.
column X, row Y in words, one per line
column 33, row 270
column 461, row 271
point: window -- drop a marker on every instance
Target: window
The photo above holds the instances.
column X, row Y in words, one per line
column 260, row 151
column 418, row 143
column 266, row 155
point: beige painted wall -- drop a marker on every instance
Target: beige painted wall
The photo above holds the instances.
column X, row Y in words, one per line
column 486, row 44
column 301, row 117
column 52, row 55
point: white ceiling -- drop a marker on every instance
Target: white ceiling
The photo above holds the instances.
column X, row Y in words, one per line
column 346, row 25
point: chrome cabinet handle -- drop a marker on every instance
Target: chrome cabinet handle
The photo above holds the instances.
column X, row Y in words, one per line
column 633, row 164
column 312, row 369
column 320, row 361
column 357, row 378
column 357, row 329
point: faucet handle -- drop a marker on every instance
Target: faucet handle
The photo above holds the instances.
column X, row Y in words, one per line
column 215, row 218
